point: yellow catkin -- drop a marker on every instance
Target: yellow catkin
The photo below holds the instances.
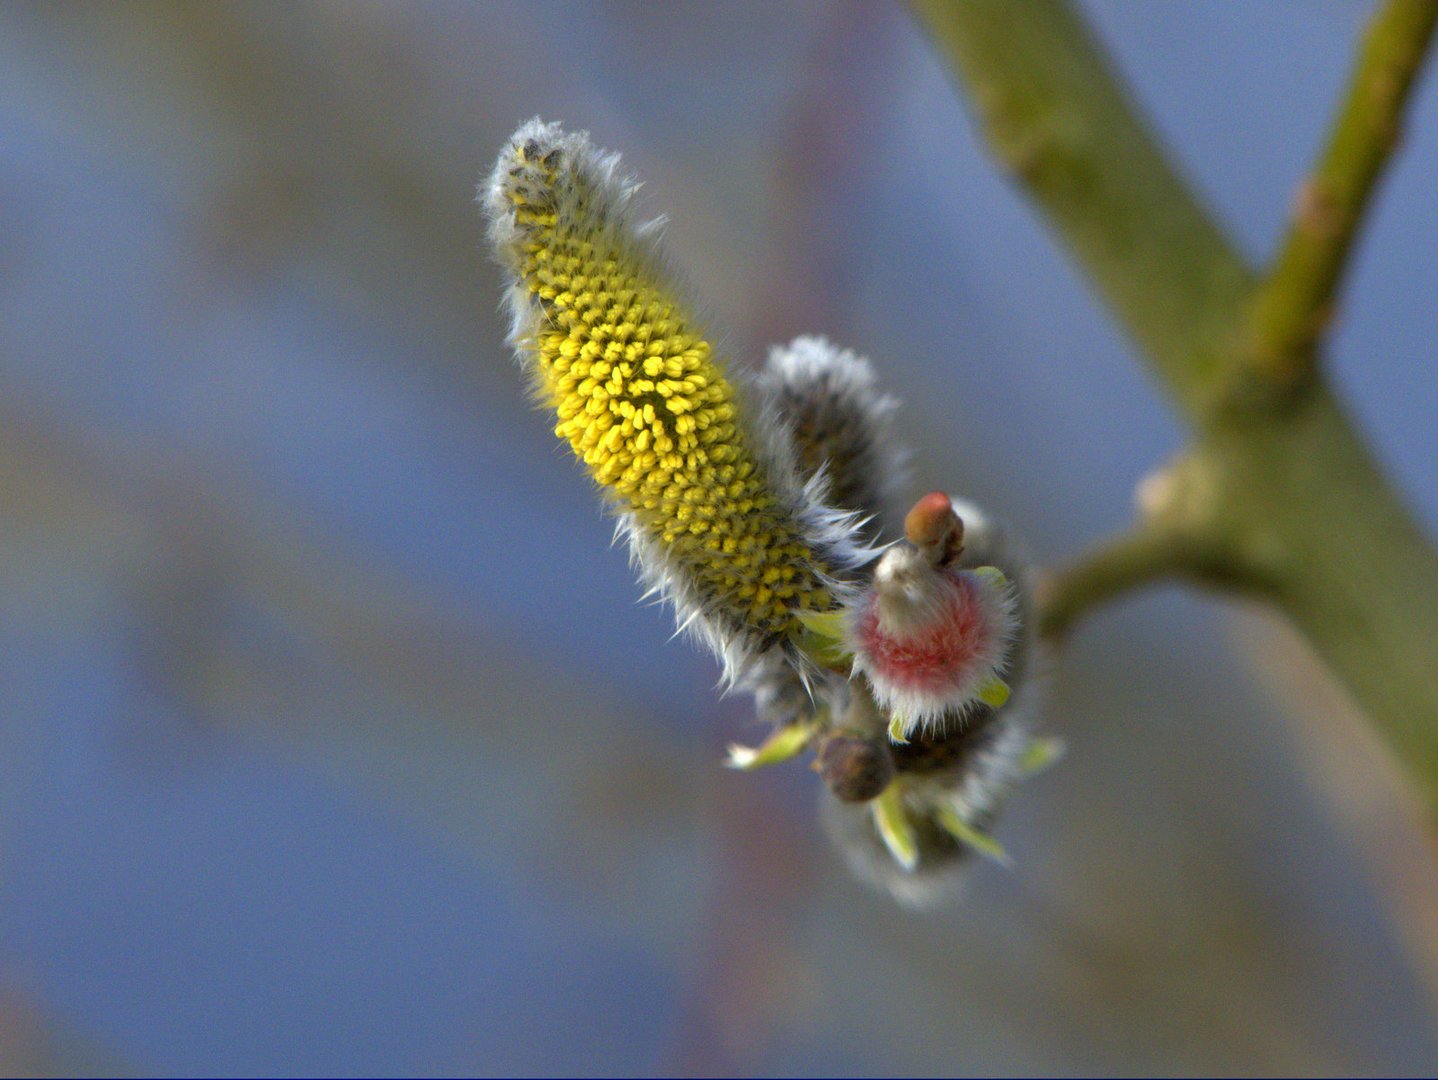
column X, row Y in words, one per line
column 638, row 394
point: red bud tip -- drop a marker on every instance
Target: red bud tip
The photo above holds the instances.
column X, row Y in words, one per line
column 927, row 522
column 933, row 526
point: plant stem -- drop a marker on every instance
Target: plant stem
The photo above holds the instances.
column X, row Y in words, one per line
column 1280, row 499
column 1139, row 557
column 1295, row 303
column 1059, row 122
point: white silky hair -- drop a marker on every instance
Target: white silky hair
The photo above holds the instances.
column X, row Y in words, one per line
column 838, row 390
column 909, row 595
column 976, row 789
column 833, row 391
column 589, row 185
column 987, row 775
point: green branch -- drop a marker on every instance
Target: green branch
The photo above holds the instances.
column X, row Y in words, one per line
column 1277, row 497
column 1060, row 123
column 1112, row 568
column 1295, row 302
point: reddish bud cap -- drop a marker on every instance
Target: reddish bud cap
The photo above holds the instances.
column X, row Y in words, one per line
column 932, row 526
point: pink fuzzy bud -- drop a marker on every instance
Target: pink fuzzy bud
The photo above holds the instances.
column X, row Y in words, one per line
column 933, row 640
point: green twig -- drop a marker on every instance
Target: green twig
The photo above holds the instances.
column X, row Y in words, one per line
column 1294, row 304
column 1139, row 557
column 1061, row 124
column 1280, row 499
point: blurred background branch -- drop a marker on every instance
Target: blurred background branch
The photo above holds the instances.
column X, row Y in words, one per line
column 1107, row 571
column 1278, row 493
column 1294, row 305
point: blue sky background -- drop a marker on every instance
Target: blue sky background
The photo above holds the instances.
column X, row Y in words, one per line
column 331, row 737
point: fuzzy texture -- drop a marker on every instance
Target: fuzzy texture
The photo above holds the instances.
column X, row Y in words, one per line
column 839, row 423
column 706, row 488
column 987, row 542
column 973, row 776
column 785, row 693
column 929, row 638
column 968, row 761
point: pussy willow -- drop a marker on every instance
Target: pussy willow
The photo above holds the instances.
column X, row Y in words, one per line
column 755, row 509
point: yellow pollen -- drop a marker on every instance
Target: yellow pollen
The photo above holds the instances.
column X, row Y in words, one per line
column 642, row 402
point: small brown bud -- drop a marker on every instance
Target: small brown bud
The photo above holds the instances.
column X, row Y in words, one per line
column 933, row 527
column 932, row 751
column 856, row 769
